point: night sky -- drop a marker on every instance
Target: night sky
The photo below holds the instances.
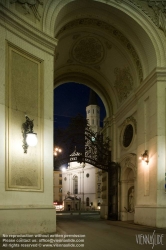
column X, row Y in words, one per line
column 71, row 99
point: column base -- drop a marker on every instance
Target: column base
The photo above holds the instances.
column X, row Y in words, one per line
column 34, row 220
column 104, row 212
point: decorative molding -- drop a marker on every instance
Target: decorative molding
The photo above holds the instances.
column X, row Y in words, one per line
column 27, row 32
column 123, row 83
column 88, row 50
column 129, row 161
column 119, row 1
column 25, row 174
column 155, row 10
column 30, row 6
column 130, row 120
column 95, row 23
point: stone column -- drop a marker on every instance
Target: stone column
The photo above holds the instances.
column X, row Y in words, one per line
column 26, row 88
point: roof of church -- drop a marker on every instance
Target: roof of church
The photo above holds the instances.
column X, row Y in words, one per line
column 75, row 153
column 92, row 98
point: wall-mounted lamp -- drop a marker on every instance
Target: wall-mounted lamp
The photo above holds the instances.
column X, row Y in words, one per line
column 145, row 157
column 29, row 137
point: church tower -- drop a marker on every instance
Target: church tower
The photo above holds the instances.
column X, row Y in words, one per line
column 93, row 112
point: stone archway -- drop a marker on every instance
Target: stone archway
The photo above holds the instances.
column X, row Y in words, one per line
column 128, row 188
column 133, row 44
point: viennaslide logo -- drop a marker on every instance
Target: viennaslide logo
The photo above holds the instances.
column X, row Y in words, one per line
column 150, row 239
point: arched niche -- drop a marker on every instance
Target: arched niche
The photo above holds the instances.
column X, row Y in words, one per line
column 128, row 187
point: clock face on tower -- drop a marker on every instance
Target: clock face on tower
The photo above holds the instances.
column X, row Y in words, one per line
column 93, row 138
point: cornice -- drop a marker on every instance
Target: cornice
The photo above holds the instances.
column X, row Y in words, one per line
column 158, row 74
column 23, row 207
column 28, row 33
column 150, row 206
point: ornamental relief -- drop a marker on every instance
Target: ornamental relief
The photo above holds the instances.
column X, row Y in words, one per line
column 88, row 50
column 123, row 83
column 129, row 120
column 155, row 10
column 128, row 162
column 30, row 6
column 92, row 22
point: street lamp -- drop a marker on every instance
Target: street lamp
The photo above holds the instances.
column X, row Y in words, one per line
column 57, row 150
column 29, row 137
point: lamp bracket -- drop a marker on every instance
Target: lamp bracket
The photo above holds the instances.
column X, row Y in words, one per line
column 27, row 127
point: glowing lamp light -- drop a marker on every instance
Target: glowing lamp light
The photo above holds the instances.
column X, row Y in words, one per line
column 63, row 169
column 57, row 150
column 145, row 157
column 31, row 139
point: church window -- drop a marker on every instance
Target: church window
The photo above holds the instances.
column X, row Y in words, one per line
column 93, row 121
column 93, row 111
column 88, row 111
column 75, row 184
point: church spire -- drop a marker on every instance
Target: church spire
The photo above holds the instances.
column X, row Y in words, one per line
column 92, row 98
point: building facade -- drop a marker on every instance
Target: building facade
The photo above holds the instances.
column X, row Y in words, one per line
column 82, row 181
column 57, row 188
column 117, row 48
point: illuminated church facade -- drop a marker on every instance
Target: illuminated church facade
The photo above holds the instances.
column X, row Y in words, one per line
column 82, row 182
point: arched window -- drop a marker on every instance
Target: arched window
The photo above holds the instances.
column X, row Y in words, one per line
column 75, row 184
